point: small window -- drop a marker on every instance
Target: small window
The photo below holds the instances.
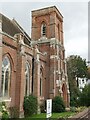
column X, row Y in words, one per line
column 43, row 29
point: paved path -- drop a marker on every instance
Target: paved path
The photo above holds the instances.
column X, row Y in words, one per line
column 84, row 115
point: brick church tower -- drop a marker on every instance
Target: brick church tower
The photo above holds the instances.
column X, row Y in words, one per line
column 47, row 34
column 33, row 65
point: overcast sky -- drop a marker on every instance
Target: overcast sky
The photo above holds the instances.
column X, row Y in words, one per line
column 75, row 21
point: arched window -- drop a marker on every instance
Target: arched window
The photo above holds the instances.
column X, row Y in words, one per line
column 6, row 76
column 27, row 79
column 43, row 29
column 41, row 81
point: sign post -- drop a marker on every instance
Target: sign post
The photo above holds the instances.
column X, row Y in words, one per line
column 49, row 108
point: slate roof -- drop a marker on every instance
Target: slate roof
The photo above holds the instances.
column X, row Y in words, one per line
column 11, row 27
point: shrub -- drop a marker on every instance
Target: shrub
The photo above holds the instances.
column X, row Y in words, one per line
column 4, row 111
column 5, row 115
column 30, row 105
column 73, row 109
column 43, row 107
column 58, row 104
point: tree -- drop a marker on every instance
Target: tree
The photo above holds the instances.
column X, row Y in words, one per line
column 88, row 72
column 85, row 96
column 76, row 67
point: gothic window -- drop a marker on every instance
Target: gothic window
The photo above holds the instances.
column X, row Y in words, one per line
column 6, row 75
column 43, row 29
column 27, row 79
column 41, row 81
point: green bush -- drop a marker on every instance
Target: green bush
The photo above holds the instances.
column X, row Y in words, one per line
column 4, row 111
column 43, row 107
column 30, row 105
column 5, row 115
column 58, row 104
column 73, row 109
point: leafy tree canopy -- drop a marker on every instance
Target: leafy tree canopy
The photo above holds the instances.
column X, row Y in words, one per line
column 76, row 66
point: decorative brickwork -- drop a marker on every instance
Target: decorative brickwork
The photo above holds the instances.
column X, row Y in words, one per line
column 52, row 44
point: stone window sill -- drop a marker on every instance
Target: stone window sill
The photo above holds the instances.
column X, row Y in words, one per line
column 5, row 99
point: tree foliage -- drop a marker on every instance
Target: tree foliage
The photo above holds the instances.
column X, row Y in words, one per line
column 76, row 67
column 84, row 98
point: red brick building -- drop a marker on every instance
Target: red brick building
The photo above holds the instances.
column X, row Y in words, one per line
column 33, row 65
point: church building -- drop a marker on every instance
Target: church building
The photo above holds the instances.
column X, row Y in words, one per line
column 33, row 65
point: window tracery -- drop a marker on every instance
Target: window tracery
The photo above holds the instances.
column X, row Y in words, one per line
column 6, row 76
column 43, row 29
column 27, row 79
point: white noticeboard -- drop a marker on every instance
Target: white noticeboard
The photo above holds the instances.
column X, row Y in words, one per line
column 49, row 108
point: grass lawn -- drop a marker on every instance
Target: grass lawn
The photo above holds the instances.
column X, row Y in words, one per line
column 54, row 115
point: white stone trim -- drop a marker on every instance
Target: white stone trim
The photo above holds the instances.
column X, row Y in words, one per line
column 5, row 99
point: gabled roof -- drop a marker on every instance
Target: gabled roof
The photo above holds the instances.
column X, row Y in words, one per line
column 11, row 27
